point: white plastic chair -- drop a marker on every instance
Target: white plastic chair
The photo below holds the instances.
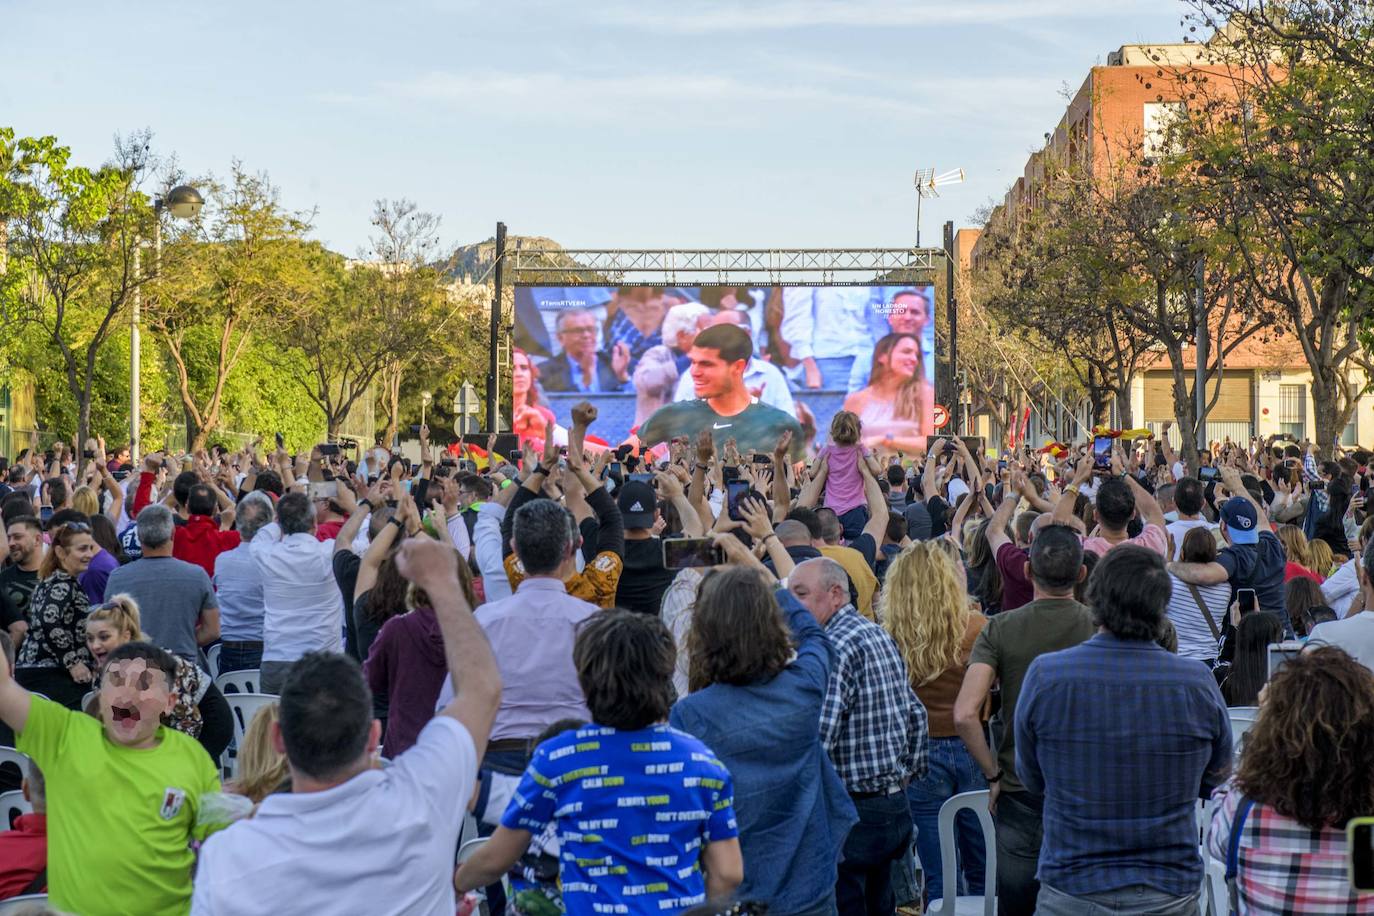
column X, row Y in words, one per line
column 977, row 802
column 12, row 804
column 18, row 758
column 1242, row 720
column 238, row 681
column 25, row 905
column 471, row 846
column 1218, row 902
column 212, row 659
column 243, row 706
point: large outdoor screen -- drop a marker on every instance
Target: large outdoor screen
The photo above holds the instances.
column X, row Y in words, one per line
column 744, row 362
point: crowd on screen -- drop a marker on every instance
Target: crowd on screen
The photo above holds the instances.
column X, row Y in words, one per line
column 871, row 345
column 487, row 685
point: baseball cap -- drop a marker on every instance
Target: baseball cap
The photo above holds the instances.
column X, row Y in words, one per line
column 1242, row 523
column 637, row 504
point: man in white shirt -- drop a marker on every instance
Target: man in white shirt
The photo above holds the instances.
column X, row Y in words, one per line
column 1354, row 634
column 1188, row 499
column 764, row 380
column 302, row 606
column 350, row 836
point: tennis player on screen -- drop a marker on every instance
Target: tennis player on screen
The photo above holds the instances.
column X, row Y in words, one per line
column 724, row 405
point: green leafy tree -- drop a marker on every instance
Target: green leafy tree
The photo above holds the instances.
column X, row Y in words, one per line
column 73, row 235
column 1281, row 139
column 229, row 273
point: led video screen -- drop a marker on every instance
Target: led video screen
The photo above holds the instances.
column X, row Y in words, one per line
column 744, row 362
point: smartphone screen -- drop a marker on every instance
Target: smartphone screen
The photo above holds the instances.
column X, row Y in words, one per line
column 729, row 472
column 762, row 459
column 1245, row 597
column 734, row 490
column 1207, row 472
column 687, row 553
column 1102, row 453
column 616, row 469
column 643, row 478
column 1359, row 834
column 324, row 489
column 328, row 449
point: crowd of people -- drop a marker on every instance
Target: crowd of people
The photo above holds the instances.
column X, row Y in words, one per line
column 699, row 681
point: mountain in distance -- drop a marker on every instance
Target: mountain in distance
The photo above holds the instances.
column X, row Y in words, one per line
column 473, row 263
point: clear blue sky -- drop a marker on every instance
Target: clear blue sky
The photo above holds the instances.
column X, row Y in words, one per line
column 631, row 123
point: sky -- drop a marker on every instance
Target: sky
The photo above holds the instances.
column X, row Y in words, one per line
column 618, row 124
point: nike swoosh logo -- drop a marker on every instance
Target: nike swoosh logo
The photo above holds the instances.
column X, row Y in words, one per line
column 721, row 425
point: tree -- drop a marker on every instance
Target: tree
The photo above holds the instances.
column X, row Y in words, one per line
column 72, row 250
column 1281, row 141
column 407, row 290
column 241, row 265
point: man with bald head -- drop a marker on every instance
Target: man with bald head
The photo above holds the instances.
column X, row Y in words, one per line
column 874, row 728
column 764, row 380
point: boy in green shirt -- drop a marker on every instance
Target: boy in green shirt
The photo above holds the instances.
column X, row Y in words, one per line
column 123, row 791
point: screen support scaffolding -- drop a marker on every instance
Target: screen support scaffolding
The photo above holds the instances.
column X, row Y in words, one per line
column 723, row 266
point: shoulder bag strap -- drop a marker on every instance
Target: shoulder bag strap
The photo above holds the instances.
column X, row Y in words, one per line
column 39, row 882
column 1202, row 606
column 1233, row 852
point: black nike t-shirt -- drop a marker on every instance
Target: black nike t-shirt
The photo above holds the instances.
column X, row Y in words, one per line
column 757, row 428
column 16, row 587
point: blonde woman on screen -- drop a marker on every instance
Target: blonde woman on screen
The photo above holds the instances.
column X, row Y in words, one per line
column 896, row 404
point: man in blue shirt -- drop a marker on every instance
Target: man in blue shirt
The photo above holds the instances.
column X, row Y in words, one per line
column 1121, row 737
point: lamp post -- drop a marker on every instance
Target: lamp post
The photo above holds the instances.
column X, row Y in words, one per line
column 426, row 398
column 183, row 202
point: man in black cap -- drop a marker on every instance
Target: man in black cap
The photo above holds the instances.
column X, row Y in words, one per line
column 644, row 580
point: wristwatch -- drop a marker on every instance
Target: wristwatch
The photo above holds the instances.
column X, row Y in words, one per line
column 996, row 777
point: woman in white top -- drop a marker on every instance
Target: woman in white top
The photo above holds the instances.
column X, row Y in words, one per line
column 1197, row 611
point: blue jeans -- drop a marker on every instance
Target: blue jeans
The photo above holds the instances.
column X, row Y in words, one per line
column 240, row 656
column 834, row 372
column 874, row 843
column 952, row 770
column 1137, row 900
column 853, row 522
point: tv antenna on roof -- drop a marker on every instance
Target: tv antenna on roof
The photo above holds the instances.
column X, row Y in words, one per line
column 927, row 185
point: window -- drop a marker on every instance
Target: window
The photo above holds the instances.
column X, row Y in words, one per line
column 1160, row 117
column 1293, row 410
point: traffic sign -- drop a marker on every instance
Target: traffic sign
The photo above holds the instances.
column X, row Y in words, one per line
column 941, row 416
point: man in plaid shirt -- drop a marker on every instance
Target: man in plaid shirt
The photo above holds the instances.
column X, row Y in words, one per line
column 874, row 729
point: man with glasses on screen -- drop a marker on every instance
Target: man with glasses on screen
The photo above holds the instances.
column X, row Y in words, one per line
column 720, row 356
column 581, row 367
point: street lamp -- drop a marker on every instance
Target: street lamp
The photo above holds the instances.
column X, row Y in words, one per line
column 426, row 398
column 926, row 184
column 183, row 202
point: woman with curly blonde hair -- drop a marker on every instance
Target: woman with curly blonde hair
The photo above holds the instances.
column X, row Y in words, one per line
column 1299, row 553
column 926, row 607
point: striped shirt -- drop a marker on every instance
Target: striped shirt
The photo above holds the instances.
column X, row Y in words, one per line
column 872, row 724
column 1195, row 639
column 1284, row 867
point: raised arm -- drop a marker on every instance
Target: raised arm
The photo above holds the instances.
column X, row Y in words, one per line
column 997, row 527
column 1230, row 478
column 381, row 545
column 929, row 485
column 782, row 493
column 1064, row 511
column 811, row 493
column 476, row 681
column 670, row 490
column 14, row 700
column 877, row 505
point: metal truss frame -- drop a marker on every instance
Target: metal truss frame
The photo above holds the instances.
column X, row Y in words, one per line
column 724, row 266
